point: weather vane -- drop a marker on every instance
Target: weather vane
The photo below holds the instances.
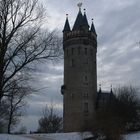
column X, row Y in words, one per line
column 79, row 5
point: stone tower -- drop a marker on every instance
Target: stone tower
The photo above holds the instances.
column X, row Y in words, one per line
column 80, row 77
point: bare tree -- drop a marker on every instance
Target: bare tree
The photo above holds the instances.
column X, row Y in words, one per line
column 16, row 103
column 50, row 122
column 23, row 39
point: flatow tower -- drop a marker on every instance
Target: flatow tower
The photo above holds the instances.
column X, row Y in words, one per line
column 80, row 76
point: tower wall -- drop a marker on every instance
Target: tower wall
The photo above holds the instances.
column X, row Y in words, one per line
column 80, row 79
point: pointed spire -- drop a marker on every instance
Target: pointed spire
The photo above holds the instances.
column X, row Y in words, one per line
column 85, row 21
column 111, row 90
column 92, row 27
column 100, row 90
column 67, row 25
column 79, row 21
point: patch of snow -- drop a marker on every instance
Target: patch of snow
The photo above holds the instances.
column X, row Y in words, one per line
column 13, row 137
column 61, row 136
column 65, row 136
column 87, row 135
column 132, row 136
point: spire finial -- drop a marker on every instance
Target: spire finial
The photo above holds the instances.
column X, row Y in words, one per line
column 100, row 87
column 79, row 5
column 66, row 26
column 67, row 16
column 84, row 10
column 111, row 88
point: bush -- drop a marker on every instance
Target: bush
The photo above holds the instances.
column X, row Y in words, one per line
column 50, row 122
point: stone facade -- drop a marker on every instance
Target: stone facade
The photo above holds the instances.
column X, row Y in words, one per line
column 80, row 76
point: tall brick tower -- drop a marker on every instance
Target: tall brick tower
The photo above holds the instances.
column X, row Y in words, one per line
column 80, row 76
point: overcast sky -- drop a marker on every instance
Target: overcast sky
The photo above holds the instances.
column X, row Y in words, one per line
column 117, row 25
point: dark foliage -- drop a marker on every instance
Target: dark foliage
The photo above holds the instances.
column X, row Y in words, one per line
column 120, row 115
column 128, row 107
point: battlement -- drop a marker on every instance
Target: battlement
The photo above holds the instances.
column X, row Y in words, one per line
column 77, row 34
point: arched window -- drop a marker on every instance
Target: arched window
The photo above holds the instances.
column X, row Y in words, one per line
column 91, row 51
column 79, row 50
column 72, row 63
column 72, row 51
column 67, row 52
column 72, row 96
column 86, row 109
column 86, row 78
column 85, row 95
column 85, row 51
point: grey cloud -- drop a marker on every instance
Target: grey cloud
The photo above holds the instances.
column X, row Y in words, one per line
column 48, row 78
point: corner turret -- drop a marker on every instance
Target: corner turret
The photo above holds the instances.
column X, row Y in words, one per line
column 67, row 25
column 85, row 21
column 93, row 28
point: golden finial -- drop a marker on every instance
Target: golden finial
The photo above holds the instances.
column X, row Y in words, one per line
column 79, row 5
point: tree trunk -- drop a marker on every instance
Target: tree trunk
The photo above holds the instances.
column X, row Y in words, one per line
column 10, row 115
column 9, row 123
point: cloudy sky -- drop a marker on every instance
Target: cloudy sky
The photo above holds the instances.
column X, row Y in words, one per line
column 117, row 25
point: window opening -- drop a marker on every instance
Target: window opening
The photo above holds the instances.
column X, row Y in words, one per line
column 72, row 51
column 86, row 51
column 86, row 107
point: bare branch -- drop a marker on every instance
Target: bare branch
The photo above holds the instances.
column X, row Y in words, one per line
column 23, row 41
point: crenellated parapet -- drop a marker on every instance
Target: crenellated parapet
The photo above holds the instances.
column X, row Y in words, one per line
column 74, row 34
column 79, row 36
